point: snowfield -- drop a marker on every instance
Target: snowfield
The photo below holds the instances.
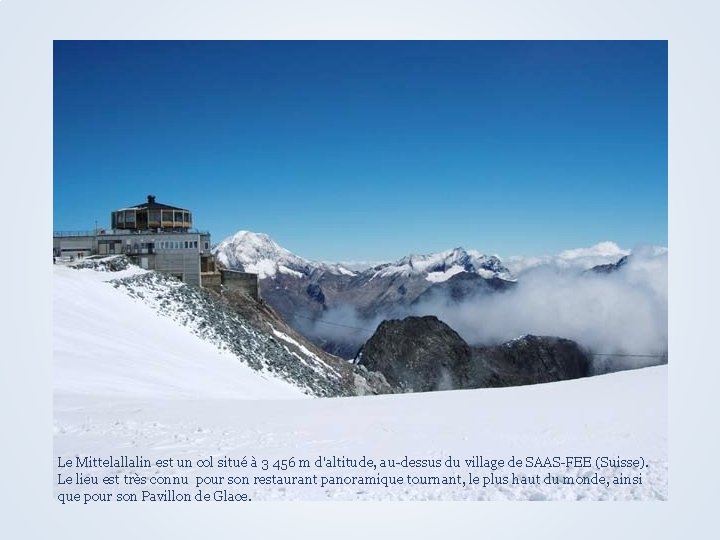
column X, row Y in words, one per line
column 621, row 414
column 110, row 344
column 130, row 381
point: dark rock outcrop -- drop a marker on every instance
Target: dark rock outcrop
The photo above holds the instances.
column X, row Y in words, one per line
column 111, row 263
column 609, row 268
column 315, row 292
column 418, row 354
column 424, row 353
column 463, row 286
column 528, row 360
column 255, row 334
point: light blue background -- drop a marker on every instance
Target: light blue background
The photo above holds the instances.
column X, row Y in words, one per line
column 27, row 31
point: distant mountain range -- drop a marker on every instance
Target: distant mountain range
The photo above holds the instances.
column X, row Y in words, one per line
column 425, row 354
column 303, row 290
column 339, row 307
column 258, row 253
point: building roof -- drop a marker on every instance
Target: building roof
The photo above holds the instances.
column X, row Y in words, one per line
column 151, row 204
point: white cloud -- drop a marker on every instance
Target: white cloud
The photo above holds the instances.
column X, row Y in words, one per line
column 580, row 258
column 621, row 312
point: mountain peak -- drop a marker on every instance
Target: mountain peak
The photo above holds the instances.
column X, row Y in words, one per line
column 259, row 254
column 254, row 239
column 445, row 264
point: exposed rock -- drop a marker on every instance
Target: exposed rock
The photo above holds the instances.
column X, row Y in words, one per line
column 315, row 292
column 254, row 333
column 528, row 360
column 371, row 382
column 424, row 353
column 112, row 263
column 418, row 354
column 608, row 268
column 464, row 286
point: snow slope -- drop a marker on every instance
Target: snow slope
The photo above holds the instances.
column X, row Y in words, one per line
column 130, row 381
column 621, row 414
column 107, row 343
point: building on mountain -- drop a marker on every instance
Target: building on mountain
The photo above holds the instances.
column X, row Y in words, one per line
column 154, row 236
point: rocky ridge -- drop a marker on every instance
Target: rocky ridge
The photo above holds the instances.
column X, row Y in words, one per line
column 302, row 290
column 425, row 354
column 251, row 330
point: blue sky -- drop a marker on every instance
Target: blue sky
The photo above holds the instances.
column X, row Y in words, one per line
column 370, row 150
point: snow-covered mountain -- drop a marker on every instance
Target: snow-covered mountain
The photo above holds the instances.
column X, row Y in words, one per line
column 439, row 267
column 259, row 254
column 120, row 330
column 303, row 290
column 339, row 308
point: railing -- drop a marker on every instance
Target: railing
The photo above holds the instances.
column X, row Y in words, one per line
column 111, row 232
column 58, row 234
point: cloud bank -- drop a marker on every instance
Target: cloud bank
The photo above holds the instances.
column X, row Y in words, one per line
column 622, row 312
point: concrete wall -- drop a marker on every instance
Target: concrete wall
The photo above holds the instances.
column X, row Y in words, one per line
column 241, row 282
column 212, row 281
column 183, row 263
column 72, row 245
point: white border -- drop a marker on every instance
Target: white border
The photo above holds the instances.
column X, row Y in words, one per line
column 27, row 29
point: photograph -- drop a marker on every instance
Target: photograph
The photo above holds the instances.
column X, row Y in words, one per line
column 359, row 270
